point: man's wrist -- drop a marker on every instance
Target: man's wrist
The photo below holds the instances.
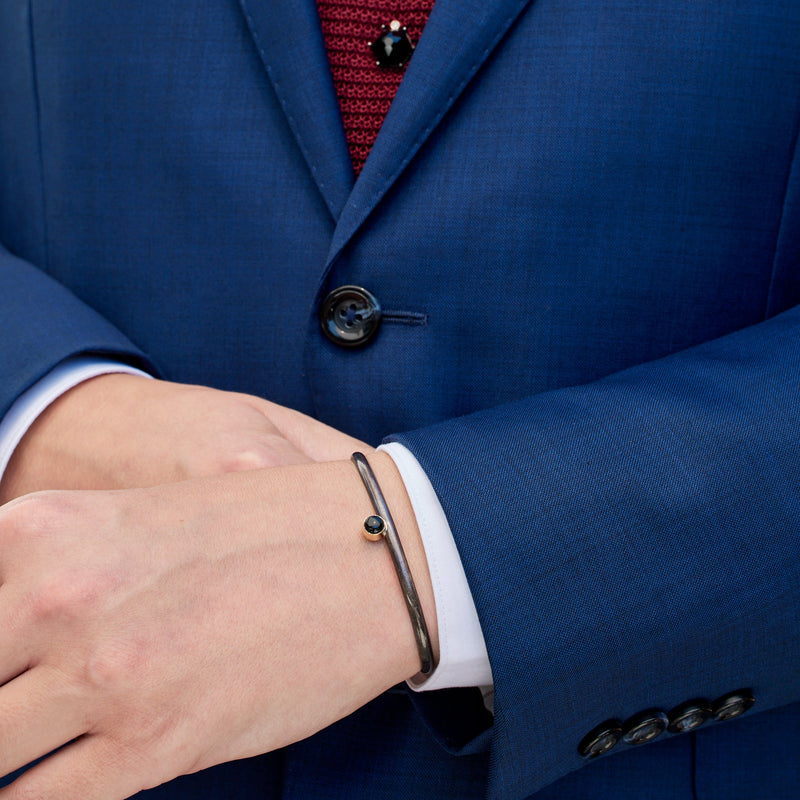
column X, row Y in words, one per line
column 402, row 512
column 319, row 509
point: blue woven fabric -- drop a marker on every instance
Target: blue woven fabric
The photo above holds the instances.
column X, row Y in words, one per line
column 582, row 220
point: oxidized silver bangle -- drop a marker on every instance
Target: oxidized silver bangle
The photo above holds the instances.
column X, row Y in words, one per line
column 381, row 526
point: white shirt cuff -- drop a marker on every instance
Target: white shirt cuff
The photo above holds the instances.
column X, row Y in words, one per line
column 463, row 660
column 31, row 403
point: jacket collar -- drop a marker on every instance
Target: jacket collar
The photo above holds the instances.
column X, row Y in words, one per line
column 458, row 38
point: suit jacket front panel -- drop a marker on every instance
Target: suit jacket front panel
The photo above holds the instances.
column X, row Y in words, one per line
column 167, row 174
column 608, row 189
column 623, row 203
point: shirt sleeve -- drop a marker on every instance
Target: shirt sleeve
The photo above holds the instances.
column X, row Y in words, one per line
column 29, row 405
column 463, row 660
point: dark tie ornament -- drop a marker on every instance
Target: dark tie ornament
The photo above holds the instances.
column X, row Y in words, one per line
column 393, row 48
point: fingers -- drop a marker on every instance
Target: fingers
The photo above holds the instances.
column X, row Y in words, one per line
column 91, row 768
column 270, row 450
column 316, row 439
column 39, row 712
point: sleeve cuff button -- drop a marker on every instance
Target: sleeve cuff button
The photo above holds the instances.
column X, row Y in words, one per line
column 732, row 705
column 645, row 727
column 689, row 716
column 600, row 739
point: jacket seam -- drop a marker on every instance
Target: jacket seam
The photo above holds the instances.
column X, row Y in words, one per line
column 39, row 144
column 770, row 303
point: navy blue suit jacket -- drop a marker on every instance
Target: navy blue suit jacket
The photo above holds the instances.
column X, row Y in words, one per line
column 582, row 219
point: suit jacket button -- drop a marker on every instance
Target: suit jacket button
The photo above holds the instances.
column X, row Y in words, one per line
column 645, row 727
column 600, row 739
column 350, row 316
column 689, row 716
column 732, row 705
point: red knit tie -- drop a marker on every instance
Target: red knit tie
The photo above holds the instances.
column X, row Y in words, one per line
column 365, row 91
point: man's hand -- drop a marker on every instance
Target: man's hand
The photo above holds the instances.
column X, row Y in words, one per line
column 159, row 631
column 126, row 431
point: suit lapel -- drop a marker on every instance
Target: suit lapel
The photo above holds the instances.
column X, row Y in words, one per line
column 459, row 37
column 457, row 40
column 289, row 40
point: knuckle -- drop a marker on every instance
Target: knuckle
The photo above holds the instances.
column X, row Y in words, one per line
column 39, row 514
column 113, row 667
column 64, row 596
column 31, row 512
column 247, row 459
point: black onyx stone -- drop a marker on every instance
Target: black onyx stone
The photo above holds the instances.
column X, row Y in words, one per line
column 393, row 47
column 373, row 525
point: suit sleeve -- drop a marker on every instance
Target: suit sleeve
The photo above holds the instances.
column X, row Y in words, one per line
column 48, row 324
column 630, row 543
